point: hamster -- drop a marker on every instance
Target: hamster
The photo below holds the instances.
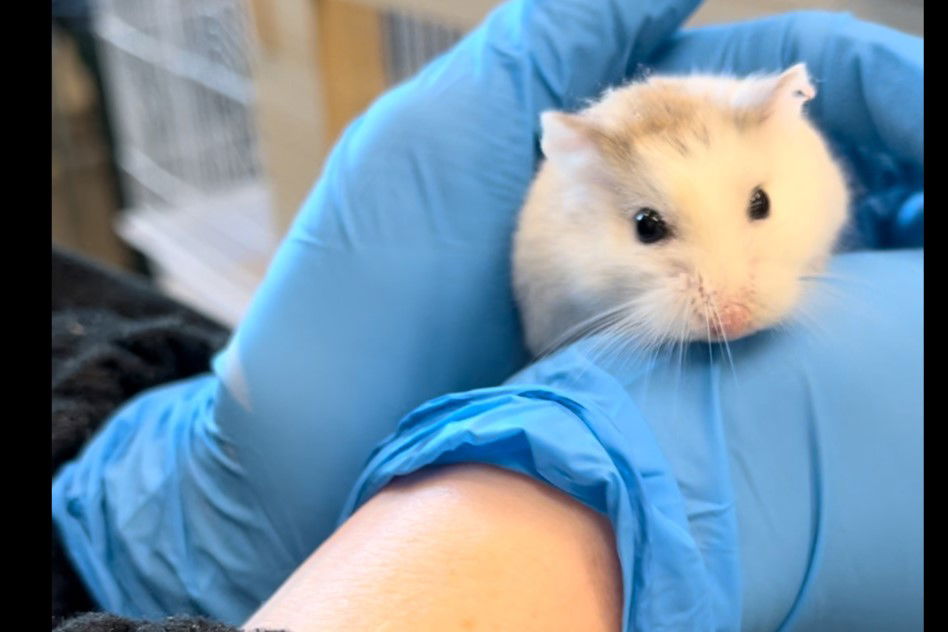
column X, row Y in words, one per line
column 678, row 208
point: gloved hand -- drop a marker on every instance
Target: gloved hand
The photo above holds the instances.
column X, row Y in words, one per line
column 393, row 287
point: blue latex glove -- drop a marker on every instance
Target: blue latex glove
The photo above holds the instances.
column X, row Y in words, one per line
column 393, row 287
column 783, row 491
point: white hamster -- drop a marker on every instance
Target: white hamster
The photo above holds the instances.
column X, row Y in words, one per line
column 677, row 209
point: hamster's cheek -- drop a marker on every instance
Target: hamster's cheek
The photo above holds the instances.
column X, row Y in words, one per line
column 672, row 318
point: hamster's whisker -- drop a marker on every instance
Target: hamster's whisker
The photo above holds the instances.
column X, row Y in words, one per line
column 627, row 331
column 823, row 294
column 681, row 342
column 603, row 336
column 585, row 328
column 826, row 277
column 825, row 287
column 846, row 291
column 802, row 318
column 707, row 323
column 727, row 346
column 624, row 332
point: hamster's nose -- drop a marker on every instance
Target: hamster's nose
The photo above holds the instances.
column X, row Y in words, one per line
column 735, row 321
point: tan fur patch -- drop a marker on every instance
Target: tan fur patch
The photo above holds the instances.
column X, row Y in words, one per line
column 659, row 108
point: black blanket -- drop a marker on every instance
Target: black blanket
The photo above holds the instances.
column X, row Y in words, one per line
column 114, row 335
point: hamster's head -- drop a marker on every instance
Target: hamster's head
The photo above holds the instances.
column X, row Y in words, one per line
column 697, row 204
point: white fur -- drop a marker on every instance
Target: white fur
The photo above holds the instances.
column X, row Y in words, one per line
column 576, row 254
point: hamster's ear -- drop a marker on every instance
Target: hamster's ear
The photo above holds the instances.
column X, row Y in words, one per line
column 567, row 139
column 780, row 95
column 792, row 90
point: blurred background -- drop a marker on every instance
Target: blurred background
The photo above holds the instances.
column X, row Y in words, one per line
column 185, row 134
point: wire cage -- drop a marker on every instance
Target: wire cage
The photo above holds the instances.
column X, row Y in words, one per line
column 179, row 82
column 411, row 40
column 181, row 96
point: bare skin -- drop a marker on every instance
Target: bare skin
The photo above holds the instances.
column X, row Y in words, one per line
column 466, row 547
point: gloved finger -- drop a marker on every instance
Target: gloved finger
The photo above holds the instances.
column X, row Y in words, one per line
column 393, row 285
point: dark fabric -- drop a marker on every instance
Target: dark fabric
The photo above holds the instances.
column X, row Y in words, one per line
column 113, row 335
column 101, row 622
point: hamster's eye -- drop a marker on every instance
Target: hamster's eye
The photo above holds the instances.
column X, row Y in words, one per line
column 759, row 206
column 650, row 226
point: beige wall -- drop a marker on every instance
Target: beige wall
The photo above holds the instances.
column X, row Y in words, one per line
column 84, row 199
column 290, row 107
column 906, row 15
column 316, row 64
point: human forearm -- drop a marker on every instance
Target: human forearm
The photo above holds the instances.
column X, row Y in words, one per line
column 465, row 547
